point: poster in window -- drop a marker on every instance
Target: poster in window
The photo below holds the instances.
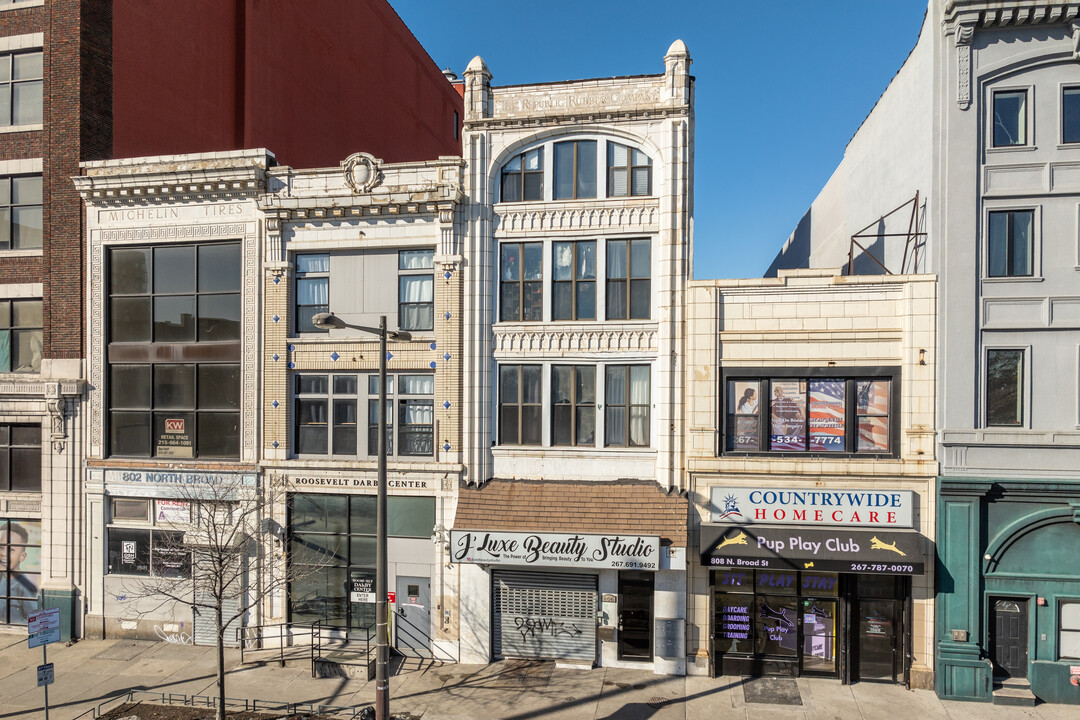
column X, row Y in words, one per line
column 172, row 511
column 873, row 407
column 743, row 425
column 776, row 632
column 129, row 551
column 787, row 409
column 175, row 435
column 22, row 540
column 734, row 623
column 20, row 557
column 170, row 558
column 827, row 407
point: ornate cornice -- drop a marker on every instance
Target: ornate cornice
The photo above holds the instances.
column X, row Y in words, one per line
column 546, row 340
column 1009, row 13
column 542, row 218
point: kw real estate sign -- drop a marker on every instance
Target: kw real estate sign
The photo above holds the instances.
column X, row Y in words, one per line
column 860, row 508
column 633, row 552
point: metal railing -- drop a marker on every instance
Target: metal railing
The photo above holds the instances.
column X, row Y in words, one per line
column 319, row 626
column 257, row 637
column 235, row 704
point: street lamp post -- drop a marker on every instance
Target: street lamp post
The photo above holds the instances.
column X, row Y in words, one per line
column 382, row 642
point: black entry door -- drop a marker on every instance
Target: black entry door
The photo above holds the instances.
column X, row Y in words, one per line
column 879, row 639
column 1008, row 638
column 635, row 615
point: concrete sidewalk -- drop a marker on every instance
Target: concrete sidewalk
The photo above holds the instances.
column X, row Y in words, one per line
column 92, row 671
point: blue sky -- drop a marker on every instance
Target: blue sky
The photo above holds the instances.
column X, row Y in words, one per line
column 781, row 88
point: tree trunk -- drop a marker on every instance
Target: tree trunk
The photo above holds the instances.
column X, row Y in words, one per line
column 220, row 662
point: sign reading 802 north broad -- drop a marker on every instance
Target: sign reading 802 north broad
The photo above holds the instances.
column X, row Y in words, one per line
column 625, row 552
column 812, row 506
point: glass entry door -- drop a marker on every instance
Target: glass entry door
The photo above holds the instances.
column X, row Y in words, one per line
column 878, row 639
column 818, row 619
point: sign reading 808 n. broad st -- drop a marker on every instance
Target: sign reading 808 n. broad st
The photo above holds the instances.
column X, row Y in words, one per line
column 625, row 552
column 812, row 506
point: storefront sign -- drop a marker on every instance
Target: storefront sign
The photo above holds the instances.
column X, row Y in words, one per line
column 361, row 482
column 771, row 506
column 837, row 550
column 155, row 483
column 625, row 552
column 172, row 511
column 362, row 589
column 175, row 437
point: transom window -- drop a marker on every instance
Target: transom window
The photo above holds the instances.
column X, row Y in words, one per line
column 809, row 414
column 581, row 170
column 1010, row 118
column 20, row 335
column 20, row 212
column 327, row 419
column 1010, row 249
column 21, row 86
column 629, row 171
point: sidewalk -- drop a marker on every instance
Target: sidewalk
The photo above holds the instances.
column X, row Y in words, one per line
column 91, row 671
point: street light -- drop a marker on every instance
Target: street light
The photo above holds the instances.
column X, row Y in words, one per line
column 327, row 321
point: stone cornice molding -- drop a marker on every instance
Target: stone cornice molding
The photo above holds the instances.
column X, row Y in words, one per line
column 547, row 217
column 572, row 119
column 1009, row 13
column 51, row 389
column 329, row 211
column 169, row 187
column 556, row 342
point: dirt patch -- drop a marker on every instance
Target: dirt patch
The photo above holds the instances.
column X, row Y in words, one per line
column 154, row 711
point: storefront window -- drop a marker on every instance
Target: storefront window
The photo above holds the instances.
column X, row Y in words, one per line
column 20, row 574
column 334, row 535
column 144, row 543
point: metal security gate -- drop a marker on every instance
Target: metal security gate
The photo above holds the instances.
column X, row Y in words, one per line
column 205, row 623
column 544, row 615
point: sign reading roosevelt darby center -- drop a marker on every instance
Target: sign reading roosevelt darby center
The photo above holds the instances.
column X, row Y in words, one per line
column 626, row 552
column 771, row 506
column 881, row 551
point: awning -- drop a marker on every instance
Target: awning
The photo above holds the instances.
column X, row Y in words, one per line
column 883, row 552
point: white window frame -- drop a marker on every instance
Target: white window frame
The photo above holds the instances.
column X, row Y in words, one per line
column 1036, row 244
column 602, row 189
column 547, row 404
column 1062, row 87
column 28, row 166
column 1029, row 119
column 547, row 277
column 1025, row 387
column 1062, row 602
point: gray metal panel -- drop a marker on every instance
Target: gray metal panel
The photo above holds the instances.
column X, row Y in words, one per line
column 544, row 615
column 205, row 622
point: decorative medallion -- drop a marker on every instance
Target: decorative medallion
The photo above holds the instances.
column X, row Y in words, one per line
column 361, row 172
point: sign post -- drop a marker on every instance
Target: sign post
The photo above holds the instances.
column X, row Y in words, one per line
column 43, row 627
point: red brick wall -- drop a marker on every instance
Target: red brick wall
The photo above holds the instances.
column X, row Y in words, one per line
column 313, row 81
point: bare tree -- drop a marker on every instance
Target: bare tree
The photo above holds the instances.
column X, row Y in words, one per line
column 217, row 555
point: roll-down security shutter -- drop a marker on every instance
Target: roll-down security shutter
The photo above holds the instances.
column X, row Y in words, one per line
column 544, row 615
column 205, row 622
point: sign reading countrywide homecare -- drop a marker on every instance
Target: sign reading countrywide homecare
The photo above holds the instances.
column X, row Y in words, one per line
column 634, row 552
column 817, row 506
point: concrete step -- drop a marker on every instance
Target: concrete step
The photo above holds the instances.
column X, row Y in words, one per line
column 1013, row 691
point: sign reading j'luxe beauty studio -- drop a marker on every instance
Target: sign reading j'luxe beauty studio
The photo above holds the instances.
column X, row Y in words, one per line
column 633, row 552
column 859, row 508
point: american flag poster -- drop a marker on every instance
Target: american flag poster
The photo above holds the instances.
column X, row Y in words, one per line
column 827, row 405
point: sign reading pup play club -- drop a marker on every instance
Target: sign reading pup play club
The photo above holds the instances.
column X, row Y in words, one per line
column 626, row 552
column 817, row 506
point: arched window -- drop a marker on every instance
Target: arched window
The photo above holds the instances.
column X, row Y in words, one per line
column 523, row 177
column 629, row 171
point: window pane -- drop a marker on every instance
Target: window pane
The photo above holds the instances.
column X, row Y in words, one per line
column 639, row 425
column 174, row 270
column 775, row 624
column 1070, row 115
column 1070, row 644
column 316, row 549
column 410, row 516
column 129, row 433
column 174, row 434
column 26, row 101
column 1070, row 616
column 639, row 385
column 362, row 514
column 5, row 227
column 26, row 468
column 534, row 186
column 313, row 291
column 168, row 556
column 640, row 305
column 129, row 509
column 129, row 320
column 373, row 384
column 532, row 268
column 416, row 259
column 219, row 387
column 617, row 154
column 5, row 351
column 312, row 263
column 530, row 384
column 533, row 301
column 615, row 389
column 562, row 260
column 562, row 305
column 416, row 288
column 998, row 246
column 510, row 267
column 417, row 385
column 345, row 384
column 616, row 259
column 534, row 160
column 129, row 386
column 1004, row 398
column 174, row 386
column 508, row 424
column 219, row 317
column 27, row 66
column 616, row 299
column 26, row 313
column 129, row 551
column 362, row 550
column 641, row 181
column 530, row 425
column 586, row 300
column 1010, row 118
column 564, row 170
column 586, row 260
column 315, row 384
column 586, row 169
column 872, row 397
column 561, row 425
column 508, row 383
column 640, row 266
column 788, row 410
column 511, row 187
column 219, row 435
column 586, row 425
column 828, row 406
column 561, row 384
column 743, row 433
column 219, row 268
column 320, row 513
column 1020, row 249
column 26, row 227
column 25, row 435
column 615, row 421
column 129, row 272
column 174, row 318
column 26, row 355
column 345, row 427
column 873, row 434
